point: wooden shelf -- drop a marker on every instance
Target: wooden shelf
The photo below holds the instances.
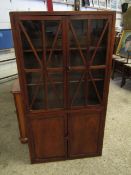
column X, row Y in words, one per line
column 70, row 81
column 32, row 70
column 95, row 79
column 41, row 50
column 35, row 84
column 58, row 49
column 61, row 69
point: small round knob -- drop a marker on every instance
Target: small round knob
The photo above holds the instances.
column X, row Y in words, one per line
column 68, row 68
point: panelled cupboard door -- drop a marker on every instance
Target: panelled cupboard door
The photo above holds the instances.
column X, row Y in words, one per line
column 48, row 137
column 83, row 130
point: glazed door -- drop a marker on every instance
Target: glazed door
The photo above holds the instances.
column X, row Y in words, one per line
column 43, row 59
column 87, row 52
column 63, row 66
column 87, row 77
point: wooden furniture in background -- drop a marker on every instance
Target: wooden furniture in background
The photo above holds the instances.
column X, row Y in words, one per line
column 20, row 111
column 126, row 73
column 64, row 62
column 122, row 66
column 117, row 65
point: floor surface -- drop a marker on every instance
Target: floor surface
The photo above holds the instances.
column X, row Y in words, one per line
column 116, row 158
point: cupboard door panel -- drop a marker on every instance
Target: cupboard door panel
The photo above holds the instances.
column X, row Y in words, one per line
column 83, row 133
column 48, row 135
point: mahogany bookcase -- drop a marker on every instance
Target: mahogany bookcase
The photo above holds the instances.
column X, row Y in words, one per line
column 64, row 65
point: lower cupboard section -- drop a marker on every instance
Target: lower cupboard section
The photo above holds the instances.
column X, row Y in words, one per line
column 83, row 134
column 48, row 137
column 66, row 136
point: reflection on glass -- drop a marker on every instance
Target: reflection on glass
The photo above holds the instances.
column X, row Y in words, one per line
column 51, row 29
column 33, row 78
column 77, row 99
column 80, row 29
column 76, row 59
column 55, row 95
column 36, row 97
column 76, row 89
column 93, row 98
column 98, row 73
column 99, row 58
column 55, row 90
column 33, row 30
column 56, row 59
column 97, row 28
column 30, row 60
column 82, row 54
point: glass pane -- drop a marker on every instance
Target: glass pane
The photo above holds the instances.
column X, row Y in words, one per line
column 100, row 57
column 53, row 43
column 78, row 42
column 55, row 90
column 75, row 76
column 25, row 44
column 36, row 97
column 33, row 30
column 33, row 78
column 76, row 59
column 55, row 96
column 76, row 89
column 100, row 88
column 79, row 99
column 30, row 60
column 98, row 73
column 56, row 77
column 92, row 95
column 97, row 29
column 80, row 29
column 56, row 59
column 51, row 29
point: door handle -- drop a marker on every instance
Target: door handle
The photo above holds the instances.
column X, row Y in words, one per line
column 68, row 68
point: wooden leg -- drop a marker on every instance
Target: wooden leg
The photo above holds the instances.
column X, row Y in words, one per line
column 113, row 70
column 24, row 140
column 123, row 81
column 21, row 118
